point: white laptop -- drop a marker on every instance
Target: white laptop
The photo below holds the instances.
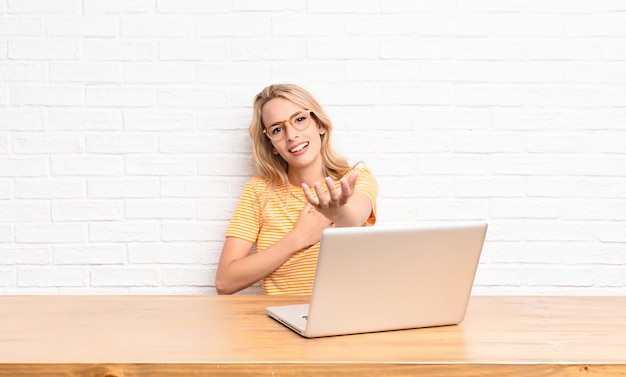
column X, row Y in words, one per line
column 385, row 277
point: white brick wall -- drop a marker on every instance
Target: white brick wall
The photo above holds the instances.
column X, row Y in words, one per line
column 123, row 144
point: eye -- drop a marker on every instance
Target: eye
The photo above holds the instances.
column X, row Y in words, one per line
column 275, row 130
column 301, row 118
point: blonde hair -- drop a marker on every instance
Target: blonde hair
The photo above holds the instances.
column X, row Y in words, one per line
column 272, row 166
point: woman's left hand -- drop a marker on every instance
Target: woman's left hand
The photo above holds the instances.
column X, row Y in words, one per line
column 329, row 201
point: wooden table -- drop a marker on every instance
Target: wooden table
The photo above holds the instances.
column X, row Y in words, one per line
column 231, row 335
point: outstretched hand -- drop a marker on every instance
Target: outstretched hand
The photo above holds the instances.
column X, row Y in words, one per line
column 329, row 201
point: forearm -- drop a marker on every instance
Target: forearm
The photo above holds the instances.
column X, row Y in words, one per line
column 237, row 274
column 354, row 213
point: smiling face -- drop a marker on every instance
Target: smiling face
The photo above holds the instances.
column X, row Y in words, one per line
column 299, row 148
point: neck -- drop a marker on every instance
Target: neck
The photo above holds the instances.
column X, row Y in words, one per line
column 307, row 175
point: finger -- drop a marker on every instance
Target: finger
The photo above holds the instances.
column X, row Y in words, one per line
column 346, row 190
column 310, row 198
column 322, row 200
column 333, row 192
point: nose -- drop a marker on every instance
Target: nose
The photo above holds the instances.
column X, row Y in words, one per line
column 290, row 131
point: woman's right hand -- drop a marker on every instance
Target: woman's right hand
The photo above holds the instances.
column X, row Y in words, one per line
column 309, row 226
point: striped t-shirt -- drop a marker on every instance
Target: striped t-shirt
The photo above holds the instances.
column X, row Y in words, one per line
column 263, row 217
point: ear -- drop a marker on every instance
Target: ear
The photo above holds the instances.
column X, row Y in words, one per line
column 274, row 151
column 322, row 130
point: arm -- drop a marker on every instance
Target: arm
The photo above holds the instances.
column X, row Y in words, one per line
column 238, row 269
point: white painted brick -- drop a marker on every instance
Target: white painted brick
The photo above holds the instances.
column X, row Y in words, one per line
column 216, row 209
column 416, row 6
column 124, row 277
column 609, row 187
column 101, row 254
column 383, row 71
column 188, row 276
column 87, row 72
column 457, row 164
column 458, row 25
column 489, row 187
column 490, row 49
column 259, row 49
column 21, row 211
column 528, row 25
column 119, row 6
column 213, row 187
column 123, row 232
column 411, row 187
column 49, row 188
column 159, row 121
column 588, row 119
column 385, row 25
column 442, row 209
column 558, row 276
column 198, row 96
column 192, row 253
column 87, row 210
column 6, row 189
column 550, row 230
column 50, row 233
column 24, row 255
column 528, row 72
column 417, row 142
column 515, row 119
column 488, row 142
column 561, row 142
column 235, row 25
column 456, row 71
column 85, row 119
column 312, row 26
column 194, row 6
column 589, row 209
column 568, row 187
column 609, row 231
column 596, row 26
column 564, row 49
column 123, row 188
column 596, row 72
column 594, row 165
column 192, row 231
column 23, row 167
column 160, row 165
column 21, row 120
column 162, row 72
column 117, row 96
column 524, row 164
column 410, row 48
column 8, row 277
column 196, row 143
column 51, row 277
column 222, row 165
column 160, row 209
column 47, row 143
column 82, row 26
column 473, row 95
column 417, row 95
column 200, row 50
column 44, row 49
column 120, row 50
column 43, row 6
column 525, row 208
column 21, row 26
column 613, row 49
column 47, row 96
column 6, row 233
column 151, row 25
column 22, row 71
column 121, row 143
column 86, row 166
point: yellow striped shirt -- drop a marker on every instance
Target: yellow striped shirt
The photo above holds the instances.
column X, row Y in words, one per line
column 263, row 217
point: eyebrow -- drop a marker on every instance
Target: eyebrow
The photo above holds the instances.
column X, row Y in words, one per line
column 292, row 115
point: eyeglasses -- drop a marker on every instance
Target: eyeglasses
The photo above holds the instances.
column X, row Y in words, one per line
column 300, row 121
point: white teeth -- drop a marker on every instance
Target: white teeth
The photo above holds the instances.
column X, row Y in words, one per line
column 298, row 148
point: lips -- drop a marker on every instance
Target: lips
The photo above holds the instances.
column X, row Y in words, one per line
column 299, row 147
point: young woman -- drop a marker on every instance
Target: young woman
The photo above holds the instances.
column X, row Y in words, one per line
column 301, row 188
